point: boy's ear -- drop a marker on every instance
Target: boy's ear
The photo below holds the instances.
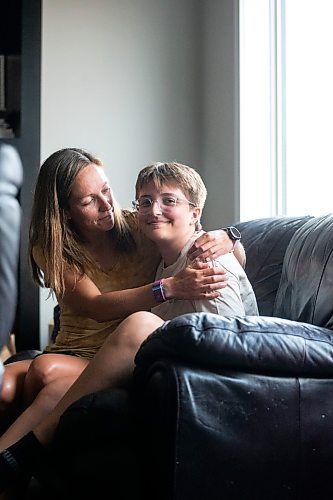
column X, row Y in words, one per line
column 196, row 213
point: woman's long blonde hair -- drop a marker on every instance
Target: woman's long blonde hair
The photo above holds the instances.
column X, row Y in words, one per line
column 55, row 237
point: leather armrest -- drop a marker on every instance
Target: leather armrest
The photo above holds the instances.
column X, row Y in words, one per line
column 256, row 344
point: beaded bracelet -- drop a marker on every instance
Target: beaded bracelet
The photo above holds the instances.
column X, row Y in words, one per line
column 158, row 291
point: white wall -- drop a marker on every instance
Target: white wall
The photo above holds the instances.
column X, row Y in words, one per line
column 121, row 78
column 220, row 118
column 124, row 79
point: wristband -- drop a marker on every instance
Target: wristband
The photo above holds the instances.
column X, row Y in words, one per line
column 158, row 291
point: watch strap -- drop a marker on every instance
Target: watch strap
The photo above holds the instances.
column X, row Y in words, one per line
column 233, row 233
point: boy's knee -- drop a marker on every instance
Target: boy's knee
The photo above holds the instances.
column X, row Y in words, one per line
column 143, row 319
column 137, row 327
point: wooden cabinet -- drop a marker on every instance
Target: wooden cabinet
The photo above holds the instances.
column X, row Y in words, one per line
column 20, row 77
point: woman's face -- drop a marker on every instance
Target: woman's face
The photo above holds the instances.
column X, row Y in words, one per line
column 90, row 202
column 165, row 221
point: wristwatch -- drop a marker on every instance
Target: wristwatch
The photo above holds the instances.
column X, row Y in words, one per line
column 233, row 233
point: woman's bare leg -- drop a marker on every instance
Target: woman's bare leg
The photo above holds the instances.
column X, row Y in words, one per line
column 47, row 368
column 112, row 366
column 48, row 378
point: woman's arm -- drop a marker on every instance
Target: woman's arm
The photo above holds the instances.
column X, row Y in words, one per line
column 84, row 298
column 213, row 244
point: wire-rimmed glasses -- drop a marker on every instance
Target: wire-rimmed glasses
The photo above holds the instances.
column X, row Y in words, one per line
column 166, row 202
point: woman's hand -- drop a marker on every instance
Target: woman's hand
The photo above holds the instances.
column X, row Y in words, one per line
column 213, row 244
column 197, row 281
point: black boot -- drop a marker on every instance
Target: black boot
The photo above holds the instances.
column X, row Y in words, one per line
column 21, row 460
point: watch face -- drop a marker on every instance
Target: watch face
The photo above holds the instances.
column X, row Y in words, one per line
column 234, row 234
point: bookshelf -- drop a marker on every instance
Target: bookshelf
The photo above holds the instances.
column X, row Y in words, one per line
column 20, row 76
column 10, row 68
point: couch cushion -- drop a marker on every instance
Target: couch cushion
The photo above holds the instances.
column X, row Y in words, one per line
column 306, row 285
column 265, row 242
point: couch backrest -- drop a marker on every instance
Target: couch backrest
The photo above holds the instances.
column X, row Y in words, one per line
column 265, row 242
column 306, row 287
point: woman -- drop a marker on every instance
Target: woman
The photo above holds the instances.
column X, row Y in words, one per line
column 92, row 256
column 171, row 222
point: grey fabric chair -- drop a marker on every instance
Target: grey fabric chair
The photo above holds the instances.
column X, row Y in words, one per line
column 11, row 176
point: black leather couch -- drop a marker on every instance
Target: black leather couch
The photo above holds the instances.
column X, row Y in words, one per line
column 223, row 408
column 11, row 173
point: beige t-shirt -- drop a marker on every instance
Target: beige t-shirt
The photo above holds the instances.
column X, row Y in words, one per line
column 237, row 299
column 83, row 336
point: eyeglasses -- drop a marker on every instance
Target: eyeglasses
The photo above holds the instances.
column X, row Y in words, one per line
column 166, row 203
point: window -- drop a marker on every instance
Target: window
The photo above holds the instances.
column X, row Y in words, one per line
column 286, row 105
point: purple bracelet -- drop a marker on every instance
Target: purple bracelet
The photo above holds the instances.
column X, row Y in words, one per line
column 158, row 291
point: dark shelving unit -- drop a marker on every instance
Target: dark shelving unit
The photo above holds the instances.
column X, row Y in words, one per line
column 20, row 46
